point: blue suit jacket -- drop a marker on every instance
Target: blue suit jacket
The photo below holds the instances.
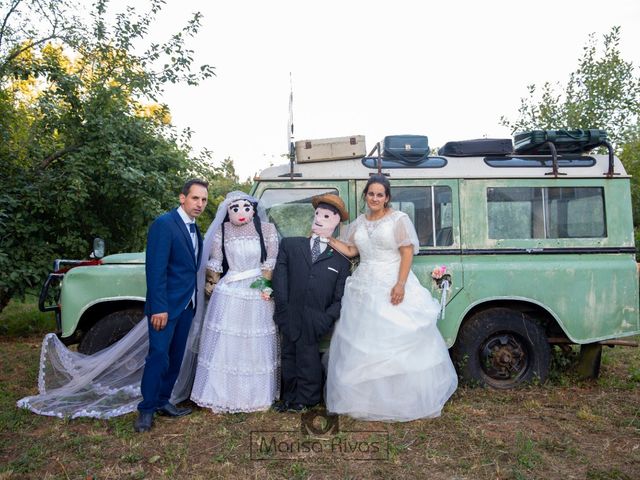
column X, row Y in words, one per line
column 171, row 265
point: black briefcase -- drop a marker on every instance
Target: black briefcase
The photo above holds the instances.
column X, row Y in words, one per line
column 477, row 148
column 406, row 148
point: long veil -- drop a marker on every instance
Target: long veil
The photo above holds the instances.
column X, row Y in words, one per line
column 107, row 383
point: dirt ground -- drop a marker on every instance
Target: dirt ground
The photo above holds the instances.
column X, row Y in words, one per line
column 564, row 429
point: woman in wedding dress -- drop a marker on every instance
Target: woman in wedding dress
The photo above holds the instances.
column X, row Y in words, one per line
column 107, row 383
column 387, row 359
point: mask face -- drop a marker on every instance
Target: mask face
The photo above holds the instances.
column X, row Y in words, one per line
column 240, row 212
column 325, row 222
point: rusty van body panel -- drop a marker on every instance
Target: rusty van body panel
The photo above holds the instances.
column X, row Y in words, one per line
column 523, row 242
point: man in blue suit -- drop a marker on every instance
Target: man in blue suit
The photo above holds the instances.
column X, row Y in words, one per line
column 174, row 250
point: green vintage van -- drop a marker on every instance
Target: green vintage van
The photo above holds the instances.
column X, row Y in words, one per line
column 539, row 246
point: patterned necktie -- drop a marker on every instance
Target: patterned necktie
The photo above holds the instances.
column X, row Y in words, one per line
column 194, row 238
column 315, row 250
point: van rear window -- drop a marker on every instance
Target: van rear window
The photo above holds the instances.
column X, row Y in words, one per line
column 430, row 210
column 546, row 212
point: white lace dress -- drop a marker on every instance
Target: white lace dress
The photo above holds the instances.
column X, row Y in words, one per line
column 387, row 362
column 238, row 359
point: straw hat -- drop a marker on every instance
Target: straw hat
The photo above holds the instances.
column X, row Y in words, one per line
column 333, row 200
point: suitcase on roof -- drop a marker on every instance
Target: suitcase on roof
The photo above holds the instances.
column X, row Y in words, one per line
column 325, row 149
column 565, row 141
column 477, row 148
column 406, row 148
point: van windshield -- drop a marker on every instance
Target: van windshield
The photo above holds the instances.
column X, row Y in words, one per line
column 290, row 209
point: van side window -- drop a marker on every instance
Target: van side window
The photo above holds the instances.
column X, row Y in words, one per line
column 290, row 209
column 546, row 212
column 429, row 208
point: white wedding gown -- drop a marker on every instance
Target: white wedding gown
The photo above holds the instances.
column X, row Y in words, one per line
column 387, row 362
column 238, row 363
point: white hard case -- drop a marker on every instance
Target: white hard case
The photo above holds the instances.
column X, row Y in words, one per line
column 324, row 149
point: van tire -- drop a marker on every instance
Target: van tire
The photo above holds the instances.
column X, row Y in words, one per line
column 501, row 348
column 109, row 329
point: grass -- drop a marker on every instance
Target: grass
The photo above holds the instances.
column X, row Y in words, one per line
column 23, row 319
column 566, row 428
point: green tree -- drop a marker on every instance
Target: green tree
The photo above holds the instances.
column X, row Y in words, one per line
column 603, row 92
column 26, row 25
column 86, row 149
column 227, row 180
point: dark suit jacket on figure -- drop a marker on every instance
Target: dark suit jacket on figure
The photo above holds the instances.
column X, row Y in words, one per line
column 307, row 295
column 171, row 265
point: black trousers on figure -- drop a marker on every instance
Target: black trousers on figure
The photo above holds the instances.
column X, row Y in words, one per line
column 302, row 374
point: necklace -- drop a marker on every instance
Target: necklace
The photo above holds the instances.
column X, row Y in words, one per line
column 372, row 224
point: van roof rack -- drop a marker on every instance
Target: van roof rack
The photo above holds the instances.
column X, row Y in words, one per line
column 412, row 151
column 557, row 142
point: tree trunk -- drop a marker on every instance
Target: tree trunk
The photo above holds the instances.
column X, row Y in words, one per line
column 5, row 296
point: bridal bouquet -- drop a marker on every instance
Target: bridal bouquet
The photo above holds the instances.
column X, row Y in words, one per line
column 264, row 285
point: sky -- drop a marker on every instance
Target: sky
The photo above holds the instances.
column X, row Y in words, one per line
column 445, row 69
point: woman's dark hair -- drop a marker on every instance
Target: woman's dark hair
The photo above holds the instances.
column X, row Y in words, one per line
column 257, row 225
column 382, row 180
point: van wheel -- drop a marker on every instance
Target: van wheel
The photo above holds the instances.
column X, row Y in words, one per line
column 501, row 348
column 109, row 329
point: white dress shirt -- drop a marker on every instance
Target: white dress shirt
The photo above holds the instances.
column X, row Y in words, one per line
column 324, row 241
column 194, row 240
column 187, row 221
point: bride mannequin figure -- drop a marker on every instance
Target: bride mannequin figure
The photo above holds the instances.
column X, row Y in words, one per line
column 387, row 359
column 238, row 360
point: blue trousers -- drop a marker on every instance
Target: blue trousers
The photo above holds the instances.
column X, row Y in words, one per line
column 162, row 365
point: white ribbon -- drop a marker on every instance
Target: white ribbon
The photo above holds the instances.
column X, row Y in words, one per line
column 232, row 276
column 443, row 299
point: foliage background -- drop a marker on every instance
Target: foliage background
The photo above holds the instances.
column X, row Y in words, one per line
column 86, row 148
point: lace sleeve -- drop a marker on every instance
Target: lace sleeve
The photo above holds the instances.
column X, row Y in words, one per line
column 271, row 242
column 215, row 256
column 347, row 233
column 405, row 233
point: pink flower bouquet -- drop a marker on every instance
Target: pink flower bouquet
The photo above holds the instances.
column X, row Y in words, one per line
column 439, row 272
column 439, row 275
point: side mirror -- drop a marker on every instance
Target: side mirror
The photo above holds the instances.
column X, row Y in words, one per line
column 98, row 248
